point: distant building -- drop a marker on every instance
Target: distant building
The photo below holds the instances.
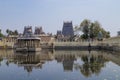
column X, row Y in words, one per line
column 27, row 31
column 45, row 38
column 59, row 32
column 38, row 31
column 118, row 33
column 59, row 35
column 67, row 29
column 28, row 42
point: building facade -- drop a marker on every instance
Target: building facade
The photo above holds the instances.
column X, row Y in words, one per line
column 68, row 29
column 28, row 42
column 38, row 31
column 59, row 35
column 27, row 31
column 59, row 32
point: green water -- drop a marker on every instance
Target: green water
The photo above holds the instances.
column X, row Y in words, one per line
column 59, row 65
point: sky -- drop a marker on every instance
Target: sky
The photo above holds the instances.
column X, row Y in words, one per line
column 50, row 14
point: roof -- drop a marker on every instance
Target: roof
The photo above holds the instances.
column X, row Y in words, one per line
column 28, row 38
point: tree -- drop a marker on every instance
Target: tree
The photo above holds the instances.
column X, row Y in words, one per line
column 95, row 28
column 76, row 30
column 10, row 32
column 15, row 32
column 91, row 29
column 7, row 31
column 1, row 35
column 98, row 28
column 84, row 26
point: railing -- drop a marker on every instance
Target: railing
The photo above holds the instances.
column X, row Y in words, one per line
column 74, row 43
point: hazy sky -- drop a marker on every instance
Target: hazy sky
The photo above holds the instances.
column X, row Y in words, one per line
column 15, row 14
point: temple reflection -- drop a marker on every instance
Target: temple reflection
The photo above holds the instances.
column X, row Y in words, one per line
column 27, row 60
column 33, row 60
column 66, row 59
column 88, row 63
column 92, row 62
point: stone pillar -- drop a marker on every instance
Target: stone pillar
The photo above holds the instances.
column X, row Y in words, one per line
column 35, row 43
column 38, row 43
column 31, row 43
column 19, row 43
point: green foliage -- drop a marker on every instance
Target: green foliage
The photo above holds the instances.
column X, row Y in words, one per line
column 84, row 36
column 92, row 29
column 85, row 26
column 1, row 35
column 10, row 32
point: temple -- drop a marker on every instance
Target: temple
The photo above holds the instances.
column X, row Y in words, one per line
column 67, row 32
column 68, row 29
column 28, row 42
column 38, row 31
column 27, row 31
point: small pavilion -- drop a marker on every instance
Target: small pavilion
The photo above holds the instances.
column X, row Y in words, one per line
column 28, row 42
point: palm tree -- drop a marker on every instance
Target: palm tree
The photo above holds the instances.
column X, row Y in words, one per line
column 7, row 31
column 16, row 32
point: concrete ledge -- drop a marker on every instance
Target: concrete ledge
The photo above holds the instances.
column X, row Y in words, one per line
column 75, row 47
column 27, row 49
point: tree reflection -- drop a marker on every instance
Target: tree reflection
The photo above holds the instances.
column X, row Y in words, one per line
column 28, row 68
column 7, row 63
column 1, row 59
column 92, row 64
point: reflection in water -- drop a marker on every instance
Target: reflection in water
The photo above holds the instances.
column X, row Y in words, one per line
column 32, row 60
column 91, row 62
column 1, row 59
column 66, row 59
column 27, row 60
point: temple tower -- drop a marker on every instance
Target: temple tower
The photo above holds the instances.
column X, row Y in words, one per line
column 68, row 29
